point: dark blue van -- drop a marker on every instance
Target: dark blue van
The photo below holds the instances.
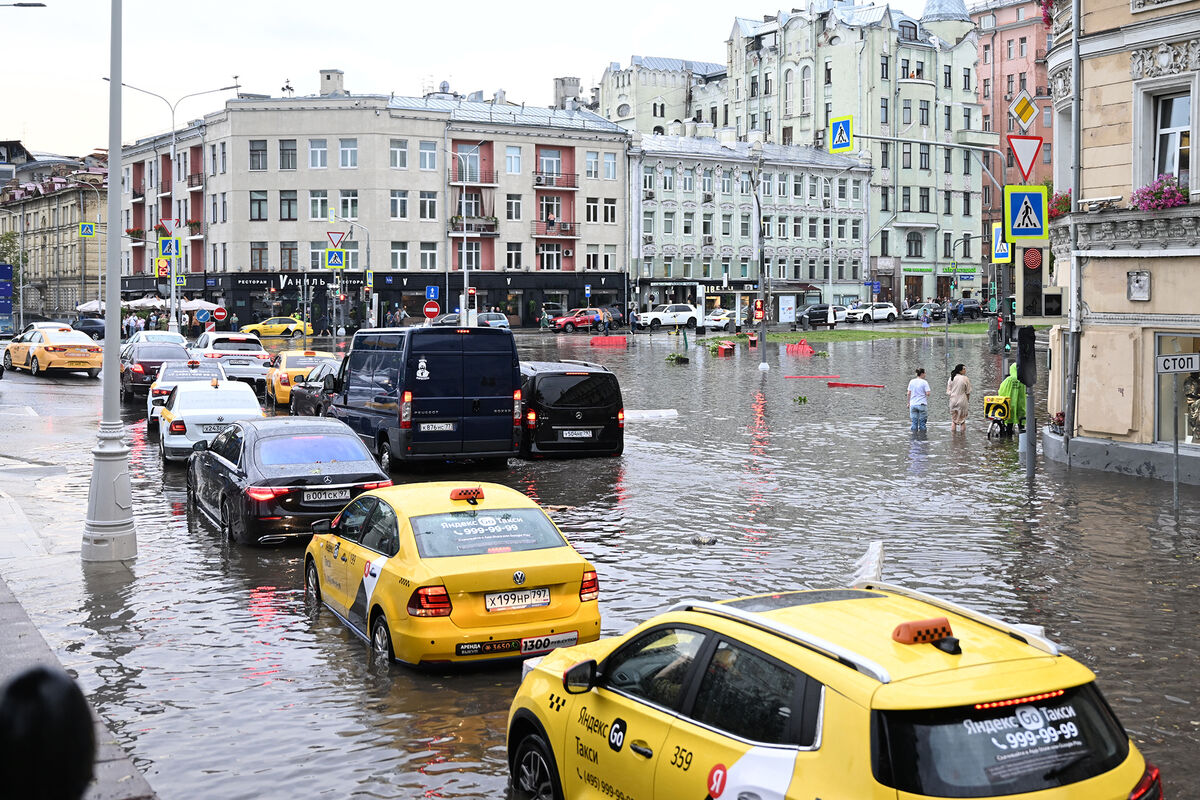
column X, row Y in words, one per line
column 431, row 393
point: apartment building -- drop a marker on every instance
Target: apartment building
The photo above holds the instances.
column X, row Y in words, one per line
column 652, row 92
column 422, row 188
column 698, row 219
column 1131, row 283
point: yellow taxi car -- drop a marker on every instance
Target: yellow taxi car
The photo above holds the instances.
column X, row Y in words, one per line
column 279, row 326
column 41, row 349
column 869, row 692
column 440, row 572
column 288, row 366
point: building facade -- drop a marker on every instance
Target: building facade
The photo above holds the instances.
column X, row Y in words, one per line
column 705, row 197
column 652, row 92
column 421, row 187
column 1132, row 286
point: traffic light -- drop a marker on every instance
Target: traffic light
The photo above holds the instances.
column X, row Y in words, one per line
column 341, row 298
column 758, row 311
column 1026, row 358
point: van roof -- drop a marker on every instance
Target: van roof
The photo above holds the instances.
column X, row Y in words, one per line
column 476, row 330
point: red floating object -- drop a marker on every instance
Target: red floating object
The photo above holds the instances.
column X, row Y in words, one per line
column 812, row 376
column 609, row 341
column 856, row 385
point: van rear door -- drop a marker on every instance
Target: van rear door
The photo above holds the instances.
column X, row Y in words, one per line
column 434, row 375
column 491, row 375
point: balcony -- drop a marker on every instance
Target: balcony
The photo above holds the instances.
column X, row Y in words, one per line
column 977, row 138
column 474, row 226
column 164, row 189
column 555, row 180
column 139, row 193
column 1040, row 55
column 556, row 230
column 1156, row 233
column 472, row 176
column 195, row 181
column 916, row 220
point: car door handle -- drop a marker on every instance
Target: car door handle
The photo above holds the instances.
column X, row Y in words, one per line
column 343, row 558
column 641, row 749
column 748, row 796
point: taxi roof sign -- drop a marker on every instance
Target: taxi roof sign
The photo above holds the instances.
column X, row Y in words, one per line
column 1023, row 109
column 1025, row 213
column 1001, row 249
column 841, row 134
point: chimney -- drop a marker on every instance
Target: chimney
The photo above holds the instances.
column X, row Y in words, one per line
column 705, row 130
column 727, row 136
column 689, row 129
column 675, row 128
column 498, row 97
column 754, row 136
column 331, row 83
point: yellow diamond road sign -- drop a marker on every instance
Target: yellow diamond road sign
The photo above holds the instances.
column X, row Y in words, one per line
column 1023, row 109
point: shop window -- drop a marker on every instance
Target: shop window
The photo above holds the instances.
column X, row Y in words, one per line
column 1187, row 393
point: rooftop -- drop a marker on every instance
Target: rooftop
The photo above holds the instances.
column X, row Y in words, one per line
column 660, row 144
column 532, row 116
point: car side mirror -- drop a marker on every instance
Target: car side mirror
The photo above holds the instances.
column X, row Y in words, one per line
column 158, row 401
column 200, row 446
column 580, row 678
column 322, row 526
column 331, row 384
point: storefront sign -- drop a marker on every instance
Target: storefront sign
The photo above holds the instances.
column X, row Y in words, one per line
column 925, row 270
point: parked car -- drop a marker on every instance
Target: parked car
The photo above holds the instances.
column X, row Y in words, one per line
column 279, row 326
column 171, row 373
column 819, row 315
column 242, row 355
column 873, row 312
column 671, row 315
column 432, row 393
column 310, row 398
column 585, row 318
column 935, row 311
column 453, row 318
column 492, row 319
column 196, row 411
column 264, row 481
column 972, row 308
column 721, row 319
column 140, row 363
column 60, row 347
column 92, row 326
column 570, row 408
column 157, row 336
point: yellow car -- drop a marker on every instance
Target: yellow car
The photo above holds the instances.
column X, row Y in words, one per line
column 869, row 692
column 287, row 367
column 433, row 573
column 279, row 326
column 42, row 349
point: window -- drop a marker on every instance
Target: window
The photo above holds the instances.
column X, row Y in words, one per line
column 317, row 154
column 668, row 180
column 924, row 156
column 551, row 257
column 648, row 179
column 828, row 72
column 687, row 183
column 885, row 201
column 727, row 182
column 841, row 228
column 908, row 31
column 987, row 88
column 512, row 159
column 398, row 150
column 966, row 79
column 399, row 255
column 287, row 154
column 648, row 223
column 987, row 54
column 512, row 256
column 924, row 199
column 213, row 216
column 789, row 89
column 706, row 181
column 224, row 207
column 883, row 242
column 885, row 151
column 768, row 184
column 592, row 209
column 883, row 110
column 469, row 254
column 1010, row 82
column 744, row 184
column 744, row 225
column 884, row 62
column 427, row 205
column 914, row 245
column 947, row 245
column 427, row 156
column 592, row 259
column 429, row 255
column 288, row 205
column 906, row 199
column 1010, row 160
column 906, row 112
column 987, row 122
column 855, row 229
column 923, row 110
column 1172, row 137
column 1021, row 46
column 906, row 156
column 318, row 204
column 289, row 255
column 512, row 207
column 610, row 166
column 258, row 205
column 224, row 163
column 348, row 203
column 946, row 202
column 966, row 162
column 813, row 222
column 966, row 245
column 592, row 160
column 947, row 77
column 987, row 194
column 610, row 210
column 347, row 153
column 610, row 256
column 258, row 155
column 904, row 68
column 689, row 222
column 806, row 94
column 841, row 188
column 826, row 224
column 966, row 204
column 1009, row 48
column 1046, row 158
column 258, row 256
column 668, row 223
column 920, row 72
column 1047, row 117
column 1021, row 81
column 212, row 166
column 399, row 204
column 966, row 120
column 727, row 225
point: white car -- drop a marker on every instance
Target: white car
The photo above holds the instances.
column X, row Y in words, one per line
column 241, row 354
column 196, row 411
column 721, row 319
column 157, row 336
column 873, row 312
column 171, row 373
column 670, row 315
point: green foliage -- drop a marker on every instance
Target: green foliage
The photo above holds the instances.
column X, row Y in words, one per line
column 677, row 358
column 800, row 399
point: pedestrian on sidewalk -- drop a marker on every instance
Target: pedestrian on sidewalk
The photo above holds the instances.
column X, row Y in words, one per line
column 959, row 390
column 47, row 742
column 918, row 401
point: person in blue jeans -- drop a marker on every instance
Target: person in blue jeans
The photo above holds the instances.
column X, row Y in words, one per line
column 918, row 401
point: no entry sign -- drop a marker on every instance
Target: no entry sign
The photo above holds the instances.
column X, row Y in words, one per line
column 220, row 313
column 432, row 309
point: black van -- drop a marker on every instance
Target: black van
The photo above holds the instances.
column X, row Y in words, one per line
column 570, row 408
column 431, row 393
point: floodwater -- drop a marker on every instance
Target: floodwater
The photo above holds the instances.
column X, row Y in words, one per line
column 202, row 659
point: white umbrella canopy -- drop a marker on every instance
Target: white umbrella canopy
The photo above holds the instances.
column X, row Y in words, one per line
column 197, row 305
column 146, row 303
column 90, row 307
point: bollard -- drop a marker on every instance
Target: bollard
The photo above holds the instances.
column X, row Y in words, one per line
column 753, row 337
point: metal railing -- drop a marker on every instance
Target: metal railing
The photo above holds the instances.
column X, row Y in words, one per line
column 555, row 180
column 558, row 228
column 459, row 174
column 195, row 179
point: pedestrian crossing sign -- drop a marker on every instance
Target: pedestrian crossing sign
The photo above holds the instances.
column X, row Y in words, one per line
column 1001, row 250
column 87, row 229
column 181, row 280
column 168, row 246
column 335, row 258
column 1025, row 213
column 841, row 135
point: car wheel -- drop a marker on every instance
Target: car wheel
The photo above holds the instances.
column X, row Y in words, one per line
column 162, row 455
column 381, row 639
column 7, row 360
column 232, row 524
column 191, row 488
column 122, row 395
column 534, row 774
column 655, row 324
column 891, row 317
column 270, row 397
column 691, row 323
column 385, row 457
column 312, row 585
column 866, row 318
column 297, row 333
column 569, row 327
column 34, row 367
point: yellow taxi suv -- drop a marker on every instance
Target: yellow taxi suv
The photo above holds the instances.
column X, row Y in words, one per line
column 869, row 692
column 288, row 367
column 64, row 348
column 439, row 573
column 279, row 326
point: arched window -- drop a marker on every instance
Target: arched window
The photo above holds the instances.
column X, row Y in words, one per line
column 788, row 93
column 659, row 130
column 915, row 245
column 623, row 110
column 806, row 90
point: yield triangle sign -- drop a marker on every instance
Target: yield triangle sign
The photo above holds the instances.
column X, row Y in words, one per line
column 335, row 237
column 1025, row 150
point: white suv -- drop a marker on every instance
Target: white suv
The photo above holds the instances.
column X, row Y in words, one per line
column 873, row 312
column 241, row 354
column 670, row 315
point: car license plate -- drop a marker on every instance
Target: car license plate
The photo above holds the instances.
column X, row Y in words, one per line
column 212, row 428
column 577, row 434
column 77, row 363
column 544, row 644
column 437, row 426
column 239, row 363
column 319, row 495
column 520, row 598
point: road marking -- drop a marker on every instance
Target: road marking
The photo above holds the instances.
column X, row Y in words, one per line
column 24, row 411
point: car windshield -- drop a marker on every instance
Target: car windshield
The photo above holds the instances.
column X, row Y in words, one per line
column 472, row 533
column 304, row 362
column 317, row 448
column 180, row 374
column 578, row 391
column 237, row 345
column 163, row 336
column 1037, row 743
column 160, row 352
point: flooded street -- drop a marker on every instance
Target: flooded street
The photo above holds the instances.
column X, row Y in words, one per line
column 203, row 660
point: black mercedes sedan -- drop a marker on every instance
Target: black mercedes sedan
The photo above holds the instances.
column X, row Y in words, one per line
column 311, row 396
column 265, row 481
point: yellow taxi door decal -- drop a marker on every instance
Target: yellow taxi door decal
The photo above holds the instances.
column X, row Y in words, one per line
column 612, row 746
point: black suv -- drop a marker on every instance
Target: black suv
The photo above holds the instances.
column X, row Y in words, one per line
column 971, row 308
column 570, row 408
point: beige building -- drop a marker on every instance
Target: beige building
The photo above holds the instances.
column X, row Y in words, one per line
column 1133, row 282
column 653, row 92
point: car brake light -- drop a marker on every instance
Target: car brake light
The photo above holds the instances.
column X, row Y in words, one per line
column 177, row 426
column 213, row 355
column 95, row 349
column 430, row 601
column 264, row 493
column 589, row 587
column 283, row 380
column 621, row 418
column 1016, row 701
column 376, row 485
column 160, row 392
column 52, row 348
column 138, row 368
column 1150, row 786
column 516, row 408
column 531, row 419
column 406, row 410
column 262, row 356
column 470, row 494
column 193, row 363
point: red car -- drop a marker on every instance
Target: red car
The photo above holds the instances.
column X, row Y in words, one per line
column 577, row 318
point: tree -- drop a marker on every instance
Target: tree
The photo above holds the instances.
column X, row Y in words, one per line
column 10, row 253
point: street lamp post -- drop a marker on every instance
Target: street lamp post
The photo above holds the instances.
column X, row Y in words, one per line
column 335, row 218
column 172, row 317
column 464, row 316
column 831, row 317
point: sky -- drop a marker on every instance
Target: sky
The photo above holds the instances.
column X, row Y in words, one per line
column 54, row 99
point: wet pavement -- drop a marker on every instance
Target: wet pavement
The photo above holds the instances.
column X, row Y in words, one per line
column 203, row 660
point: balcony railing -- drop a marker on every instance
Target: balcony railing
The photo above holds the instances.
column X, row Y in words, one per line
column 139, row 192
column 557, row 229
column 1040, row 54
column 195, row 179
column 460, row 174
column 478, row 226
column 556, row 180
column 164, row 188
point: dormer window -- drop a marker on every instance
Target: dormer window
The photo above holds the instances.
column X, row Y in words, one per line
column 908, row 31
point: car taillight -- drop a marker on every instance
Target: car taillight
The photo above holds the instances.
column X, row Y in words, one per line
column 406, row 410
column 264, row 493
column 160, row 392
column 516, row 408
column 213, row 355
column 531, row 419
column 1150, row 786
column 52, row 348
column 283, row 380
column 138, row 368
column 376, row 485
column 589, row 587
column 177, row 426
column 621, row 418
column 95, row 349
column 429, row 601
column 262, row 356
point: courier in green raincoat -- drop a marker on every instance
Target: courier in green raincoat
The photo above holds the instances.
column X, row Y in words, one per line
column 1015, row 391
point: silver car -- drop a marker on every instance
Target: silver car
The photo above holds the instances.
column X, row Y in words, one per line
column 241, row 354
